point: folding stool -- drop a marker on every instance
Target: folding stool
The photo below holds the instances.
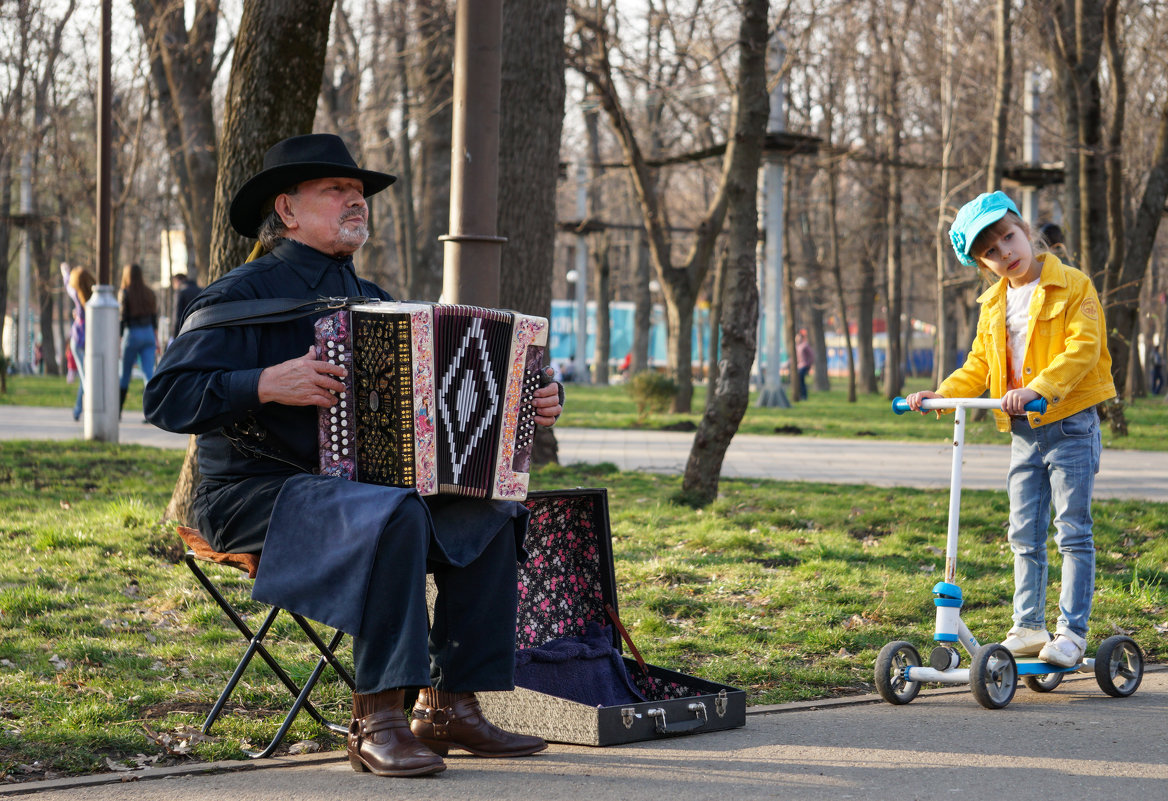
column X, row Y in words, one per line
column 201, row 551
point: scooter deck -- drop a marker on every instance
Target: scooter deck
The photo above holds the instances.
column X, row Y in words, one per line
column 1033, row 666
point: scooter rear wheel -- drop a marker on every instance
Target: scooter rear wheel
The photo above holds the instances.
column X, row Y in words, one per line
column 1044, row 682
column 1119, row 666
column 890, row 667
column 993, row 676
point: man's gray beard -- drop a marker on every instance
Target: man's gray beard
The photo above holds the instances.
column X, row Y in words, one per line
column 353, row 237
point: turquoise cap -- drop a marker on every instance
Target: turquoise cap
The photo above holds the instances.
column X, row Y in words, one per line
column 985, row 209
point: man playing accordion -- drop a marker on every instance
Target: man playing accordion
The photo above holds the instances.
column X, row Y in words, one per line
column 351, row 555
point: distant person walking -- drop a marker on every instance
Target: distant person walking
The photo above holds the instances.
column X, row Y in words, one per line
column 185, row 290
column 139, row 328
column 79, row 284
column 804, row 361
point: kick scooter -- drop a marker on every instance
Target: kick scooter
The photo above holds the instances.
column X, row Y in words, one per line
column 993, row 671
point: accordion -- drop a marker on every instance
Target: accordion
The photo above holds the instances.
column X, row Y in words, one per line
column 437, row 397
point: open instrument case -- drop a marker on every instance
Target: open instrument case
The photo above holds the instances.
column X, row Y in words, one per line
column 567, row 600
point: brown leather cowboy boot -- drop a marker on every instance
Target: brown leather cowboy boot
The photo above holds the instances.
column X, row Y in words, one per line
column 444, row 719
column 380, row 739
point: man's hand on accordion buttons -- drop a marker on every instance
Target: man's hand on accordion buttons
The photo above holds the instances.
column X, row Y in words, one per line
column 304, row 381
column 547, row 404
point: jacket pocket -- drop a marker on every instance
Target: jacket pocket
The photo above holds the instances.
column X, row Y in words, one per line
column 1052, row 310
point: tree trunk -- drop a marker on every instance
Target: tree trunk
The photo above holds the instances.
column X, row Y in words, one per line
column 944, row 358
column 836, row 270
column 1002, row 91
column 602, row 277
column 864, row 320
column 435, row 87
column 740, row 300
column 532, row 103
column 182, row 71
column 269, row 97
column 643, row 306
column 1123, row 314
column 5, row 239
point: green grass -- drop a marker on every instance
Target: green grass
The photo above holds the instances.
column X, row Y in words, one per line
column 108, row 648
column 824, row 414
column 829, row 414
column 51, row 390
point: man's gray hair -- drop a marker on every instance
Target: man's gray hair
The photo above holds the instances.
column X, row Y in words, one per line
column 272, row 230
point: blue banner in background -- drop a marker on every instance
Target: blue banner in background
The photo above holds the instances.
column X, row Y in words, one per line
column 622, row 315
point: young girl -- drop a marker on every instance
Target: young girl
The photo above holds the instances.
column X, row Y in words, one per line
column 1040, row 333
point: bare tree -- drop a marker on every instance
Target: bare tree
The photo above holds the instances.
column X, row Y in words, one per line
column 740, row 294
column 183, row 68
column 681, row 279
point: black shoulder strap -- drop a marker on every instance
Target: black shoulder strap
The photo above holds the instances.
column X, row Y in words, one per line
column 263, row 311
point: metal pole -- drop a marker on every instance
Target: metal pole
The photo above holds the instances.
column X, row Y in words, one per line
column 101, row 313
column 472, row 249
column 772, row 393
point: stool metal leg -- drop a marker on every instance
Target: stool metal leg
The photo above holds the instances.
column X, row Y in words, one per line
column 255, row 646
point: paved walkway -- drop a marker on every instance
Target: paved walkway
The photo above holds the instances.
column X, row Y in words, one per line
column 1124, row 474
column 1072, row 743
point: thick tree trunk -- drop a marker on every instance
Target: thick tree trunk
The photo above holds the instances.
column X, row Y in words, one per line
column 532, row 103
column 269, row 98
column 740, row 299
column 1123, row 313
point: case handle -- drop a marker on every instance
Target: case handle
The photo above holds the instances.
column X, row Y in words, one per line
column 685, row 726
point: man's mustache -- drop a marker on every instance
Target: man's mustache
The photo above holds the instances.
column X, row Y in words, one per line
column 355, row 215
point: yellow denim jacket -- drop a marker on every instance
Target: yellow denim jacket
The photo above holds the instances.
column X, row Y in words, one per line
column 1066, row 360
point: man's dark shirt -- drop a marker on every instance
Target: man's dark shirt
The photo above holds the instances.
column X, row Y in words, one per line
column 182, row 299
column 209, row 378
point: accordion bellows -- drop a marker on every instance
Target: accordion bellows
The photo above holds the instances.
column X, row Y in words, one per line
column 437, row 397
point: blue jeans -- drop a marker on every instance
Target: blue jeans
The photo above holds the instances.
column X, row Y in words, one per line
column 79, row 353
column 137, row 345
column 1054, row 464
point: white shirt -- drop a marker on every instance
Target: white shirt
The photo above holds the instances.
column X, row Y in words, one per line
column 1017, row 322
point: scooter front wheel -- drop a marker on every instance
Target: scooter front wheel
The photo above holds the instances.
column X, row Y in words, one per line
column 894, row 658
column 993, row 676
column 1119, row 666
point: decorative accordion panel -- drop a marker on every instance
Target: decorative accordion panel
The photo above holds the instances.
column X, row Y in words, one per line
column 437, row 397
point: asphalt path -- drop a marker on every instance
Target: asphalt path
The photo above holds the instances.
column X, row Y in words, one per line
column 1072, row 743
column 1124, row 473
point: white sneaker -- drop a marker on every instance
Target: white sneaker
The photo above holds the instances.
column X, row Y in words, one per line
column 1025, row 642
column 1065, row 650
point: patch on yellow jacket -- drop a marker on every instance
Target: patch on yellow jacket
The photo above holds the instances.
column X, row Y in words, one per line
column 1090, row 309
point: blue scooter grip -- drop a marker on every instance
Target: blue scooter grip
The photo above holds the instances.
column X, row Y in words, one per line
column 900, row 405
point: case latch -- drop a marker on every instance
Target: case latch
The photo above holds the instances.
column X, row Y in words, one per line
column 628, row 716
column 720, row 704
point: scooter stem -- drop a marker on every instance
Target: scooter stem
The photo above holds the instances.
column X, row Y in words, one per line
column 955, row 494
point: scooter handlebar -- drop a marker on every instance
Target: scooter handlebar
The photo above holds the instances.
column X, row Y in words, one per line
column 900, row 405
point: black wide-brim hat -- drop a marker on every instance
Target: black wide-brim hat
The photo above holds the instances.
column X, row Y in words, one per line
column 287, row 163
